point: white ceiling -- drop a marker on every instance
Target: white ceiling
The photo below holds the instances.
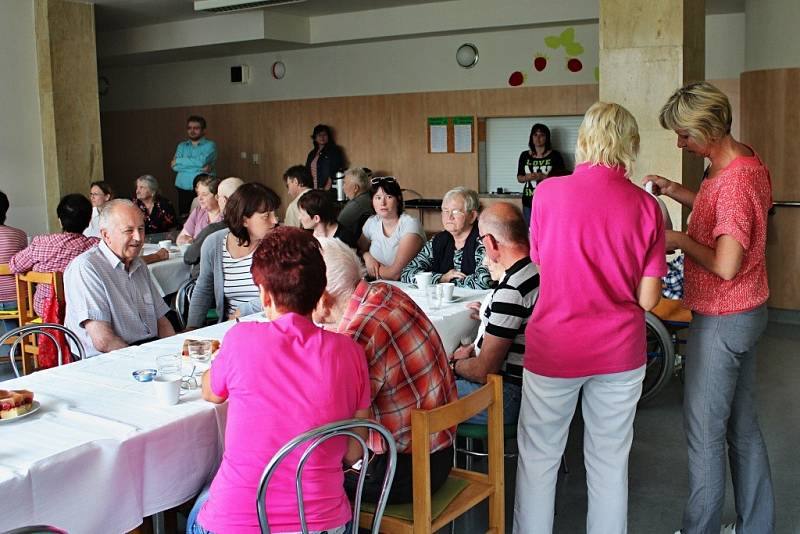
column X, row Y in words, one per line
column 118, row 14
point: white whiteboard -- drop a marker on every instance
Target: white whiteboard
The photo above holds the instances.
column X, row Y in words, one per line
column 506, row 138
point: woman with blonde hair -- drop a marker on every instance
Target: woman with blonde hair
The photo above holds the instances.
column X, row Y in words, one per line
column 598, row 240
column 725, row 285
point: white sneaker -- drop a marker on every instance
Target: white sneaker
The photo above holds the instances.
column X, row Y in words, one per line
column 728, row 528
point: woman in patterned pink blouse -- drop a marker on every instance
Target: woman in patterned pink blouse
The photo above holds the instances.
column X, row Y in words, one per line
column 725, row 285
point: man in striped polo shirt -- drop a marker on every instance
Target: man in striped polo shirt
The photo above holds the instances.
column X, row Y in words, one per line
column 500, row 344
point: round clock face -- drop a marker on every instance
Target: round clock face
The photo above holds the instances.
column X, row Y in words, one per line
column 467, row 55
column 278, row 70
column 103, row 85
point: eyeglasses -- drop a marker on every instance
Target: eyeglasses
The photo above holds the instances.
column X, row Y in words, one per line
column 455, row 213
column 480, row 237
column 383, row 180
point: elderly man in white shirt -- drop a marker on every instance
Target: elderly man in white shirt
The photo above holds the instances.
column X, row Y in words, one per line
column 111, row 299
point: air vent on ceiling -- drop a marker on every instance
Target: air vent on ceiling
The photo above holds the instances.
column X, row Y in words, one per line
column 225, row 6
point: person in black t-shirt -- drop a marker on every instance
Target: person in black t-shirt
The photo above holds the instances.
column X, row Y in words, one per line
column 536, row 164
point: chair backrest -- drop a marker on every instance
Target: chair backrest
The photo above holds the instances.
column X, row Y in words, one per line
column 36, row 529
column 25, row 292
column 314, row 438
column 426, row 422
column 182, row 299
column 44, row 329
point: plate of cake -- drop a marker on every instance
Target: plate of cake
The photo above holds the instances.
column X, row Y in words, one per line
column 16, row 404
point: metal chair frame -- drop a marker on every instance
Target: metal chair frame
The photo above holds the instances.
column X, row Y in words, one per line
column 182, row 298
column 36, row 529
column 30, row 329
column 316, row 437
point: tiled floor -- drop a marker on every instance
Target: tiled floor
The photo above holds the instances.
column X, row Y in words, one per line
column 658, row 469
column 658, row 475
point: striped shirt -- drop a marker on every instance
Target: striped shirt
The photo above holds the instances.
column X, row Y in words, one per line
column 238, row 287
column 512, row 303
column 12, row 240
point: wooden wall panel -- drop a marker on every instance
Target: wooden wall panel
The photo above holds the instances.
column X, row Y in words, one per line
column 783, row 258
column 386, row 133
column 770, row 104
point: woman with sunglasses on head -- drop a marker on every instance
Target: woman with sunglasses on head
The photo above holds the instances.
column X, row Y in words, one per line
column 390, row 239
column 455, row 254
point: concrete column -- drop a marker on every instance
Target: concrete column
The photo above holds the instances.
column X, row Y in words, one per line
column 647, row 50
column 68, row 99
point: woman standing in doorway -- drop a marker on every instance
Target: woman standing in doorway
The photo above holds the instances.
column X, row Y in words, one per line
column 325, row 159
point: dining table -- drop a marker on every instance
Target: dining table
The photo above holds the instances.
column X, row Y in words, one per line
column 167, row 275
column 101, row 453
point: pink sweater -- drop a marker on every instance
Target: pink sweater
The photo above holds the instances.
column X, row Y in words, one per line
column 594, row 235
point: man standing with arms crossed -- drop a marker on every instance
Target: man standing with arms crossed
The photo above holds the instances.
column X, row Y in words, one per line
column 196, row 155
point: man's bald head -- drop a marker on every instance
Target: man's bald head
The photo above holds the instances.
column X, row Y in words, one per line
column 505, row 223
column 226, row 188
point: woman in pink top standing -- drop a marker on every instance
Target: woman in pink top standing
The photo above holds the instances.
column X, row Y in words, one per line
column 598, row 240
column 283, row 378
column 725, row 285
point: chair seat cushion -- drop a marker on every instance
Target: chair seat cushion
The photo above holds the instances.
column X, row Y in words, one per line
column 439, row 501
column 468, row 430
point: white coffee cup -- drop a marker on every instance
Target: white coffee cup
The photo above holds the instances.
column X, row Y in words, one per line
column 447, row 291
column 165, row 243
column 423, row 280
column 167, row 388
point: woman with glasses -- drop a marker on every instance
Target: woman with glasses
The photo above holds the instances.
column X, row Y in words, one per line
column 586, row 333
column 390, row 238
column 99, row 194
column 226, row 256
column 456, row 254
column 318, row 214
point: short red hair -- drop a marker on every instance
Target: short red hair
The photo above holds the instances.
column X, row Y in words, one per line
column 288, row 264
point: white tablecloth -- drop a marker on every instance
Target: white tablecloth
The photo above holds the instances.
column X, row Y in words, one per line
column 101, row 453
column 168, row 275
column 452, row 320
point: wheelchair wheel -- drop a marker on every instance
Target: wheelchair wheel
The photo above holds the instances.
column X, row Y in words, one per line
column 660, row 358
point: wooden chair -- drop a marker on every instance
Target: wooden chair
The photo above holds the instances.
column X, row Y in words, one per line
column 25, row 292
column 477, row 486
column 8, row 315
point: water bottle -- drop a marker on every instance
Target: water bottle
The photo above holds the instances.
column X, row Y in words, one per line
column 339, row 186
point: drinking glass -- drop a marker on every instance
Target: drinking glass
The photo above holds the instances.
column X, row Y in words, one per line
column 200, row 351
column 168, row 364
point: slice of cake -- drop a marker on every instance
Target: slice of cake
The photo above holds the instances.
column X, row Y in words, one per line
column 15, row 403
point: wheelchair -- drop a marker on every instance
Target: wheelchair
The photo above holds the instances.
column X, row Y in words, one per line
column 665, row 326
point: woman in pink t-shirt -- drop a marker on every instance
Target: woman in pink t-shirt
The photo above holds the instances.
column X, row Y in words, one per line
column 598, row 240
column 725, row 285
column 206, row 212
column 283, row 378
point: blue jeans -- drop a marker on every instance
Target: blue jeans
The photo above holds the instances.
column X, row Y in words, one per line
column 512, row 394
column 719, row 406
column 7, row 325
column 193, row 527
